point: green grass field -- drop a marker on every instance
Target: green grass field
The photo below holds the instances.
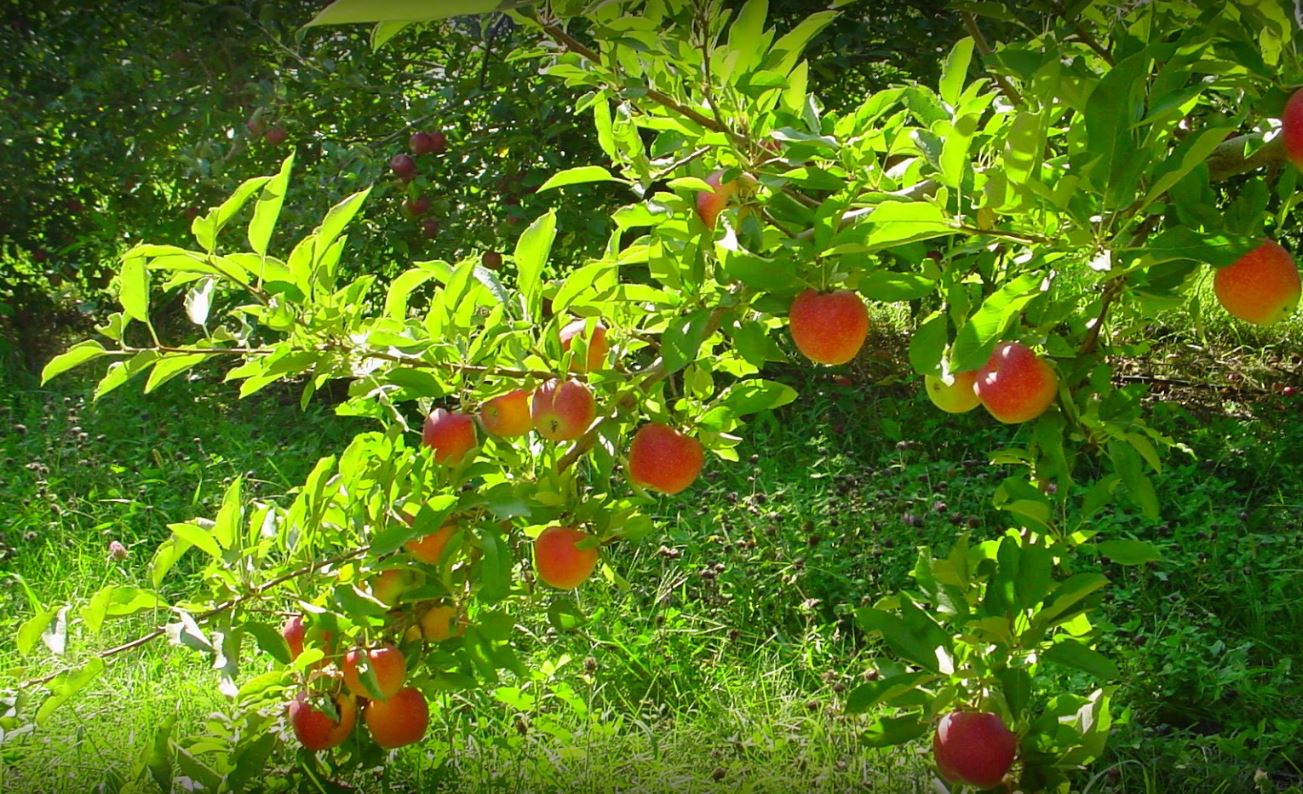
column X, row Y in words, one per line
column 724, row 662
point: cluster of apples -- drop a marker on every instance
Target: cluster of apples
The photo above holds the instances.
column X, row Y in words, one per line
column 660, row 457
column 403, row 166
column 395, row 714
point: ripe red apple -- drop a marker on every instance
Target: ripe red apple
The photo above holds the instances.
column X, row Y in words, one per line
column 828, row 327
column 955, row 395
column 450, row 435
column 399, row 720
column 507, row 415
column 973, row 747
column 558, row 559
column 275, row 136
column 40, row 255
column 1015, row 385
column 1292, row 129
column 293, row 631
column 597, row 347
column 491, row 260
column 438, row 142
column 256, row 127
column 1261, row 287
column 418, row 206
column 420, row 143
column 430, row 228
column 562, row 410
column 712, row 202
column 74, row 206
column 403, row 166
column 315, row 729
column 429, row 549
column 386, row 663
column 663, row 459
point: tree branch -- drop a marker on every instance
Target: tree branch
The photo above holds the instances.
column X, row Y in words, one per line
column 984, row 47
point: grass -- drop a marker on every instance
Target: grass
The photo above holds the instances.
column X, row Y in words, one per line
column 725, row 663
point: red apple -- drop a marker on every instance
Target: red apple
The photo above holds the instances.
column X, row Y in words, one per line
column 275, row 136
column 562, row 410
column 1016, row 385
column 438, row 142
column 418, row 206
column 828, row 327
column 403, row 166
column 597, row 347
column 315, row 729
column 710, row 203
column 387, row 665
column 491, row 260
column 558, row 559
column 973, row 748
column 420, row 143
column 1292, row 129
column 430, row 228
column 663, row 459
column 399, row 720
column 507, row 415
column 1261, row 287
column 450, row 435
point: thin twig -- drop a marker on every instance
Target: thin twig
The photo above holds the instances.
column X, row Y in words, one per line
column 984, row 47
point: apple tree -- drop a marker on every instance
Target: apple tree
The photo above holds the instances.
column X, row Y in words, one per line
column 1051, row 194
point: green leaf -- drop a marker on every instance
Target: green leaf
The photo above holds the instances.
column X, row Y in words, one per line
column 248, row 762
column 29, row 633
column 133, row 289
column 226, row 527
column 167, row 555
column 195, row 535
column 67, row 684
column 682, row 340
column 348, row 12
column 169, row 366
column 1114, row 106
column 222, row 215
column 268, row 208
column 955, row 70
column 897, row 222
column 1072, row 653
column 867, row 695
column 334, row 224
column 1129, row 552
column 907, row 644
column 158, row 759
column 1024, row 146
column 1192, row 152
column 928, row 344
column 977, row 338
column 75, row 356
column 1016, row 684
column 270, row 641
column 785, row 53
column 532, row 252
column 747, row 397
column 888, row 731
column 117, row 601
column 579, row 176
column 744, row 35
column 119, row 372
column 889, row 286
column 382, row 33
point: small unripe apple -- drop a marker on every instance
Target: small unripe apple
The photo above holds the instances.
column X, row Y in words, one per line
column 450, row 435
column 403, row 166
column 1015, row 384
column 491, row 260
column 387, row 666
column 955, row 395
column 399, row 720
column 275, row 136
column 973, row 748
column 663, row 459
column 1292, row 129
column 1261, row 287
column 315, row 729
column 559, row 561
column 507, row 415
column 562, row 410
column 416, row 207
column 597, row 347
column 828, row 327
column 430, row 228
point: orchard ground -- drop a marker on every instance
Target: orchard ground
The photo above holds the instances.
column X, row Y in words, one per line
column 725, row 662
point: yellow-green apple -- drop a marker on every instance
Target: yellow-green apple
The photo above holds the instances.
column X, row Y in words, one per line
column 663, row 459
column 828, row 327
column 952, row 393
column 439, row 622
column 1015, row 385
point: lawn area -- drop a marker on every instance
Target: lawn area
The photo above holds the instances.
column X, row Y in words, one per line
column 723, row 655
